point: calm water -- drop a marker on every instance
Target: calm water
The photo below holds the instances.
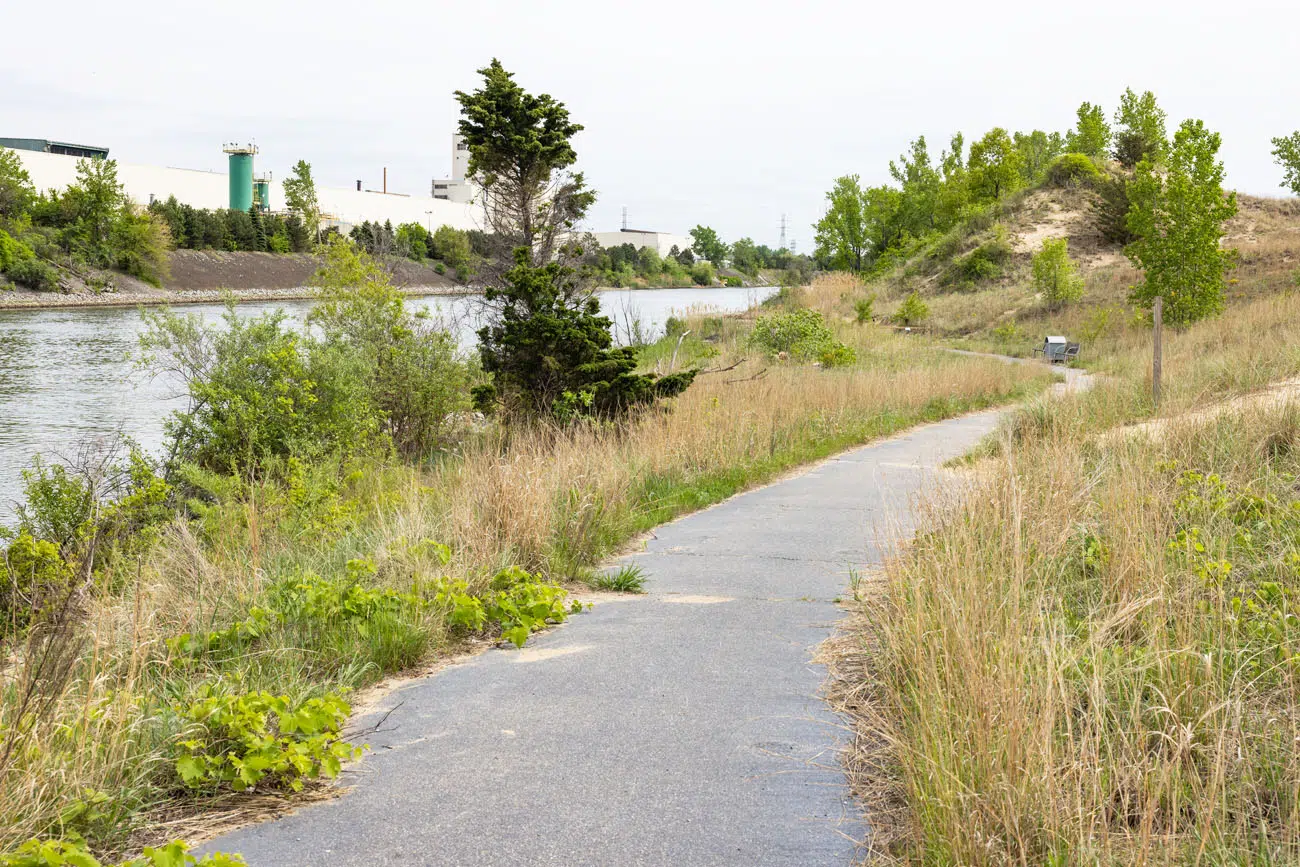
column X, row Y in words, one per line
column 69, row 376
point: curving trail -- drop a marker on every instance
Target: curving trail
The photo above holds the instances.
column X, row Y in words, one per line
column 683, row 727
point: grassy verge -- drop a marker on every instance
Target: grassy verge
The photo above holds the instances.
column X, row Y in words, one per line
column 273, row 598
column 1097, row 659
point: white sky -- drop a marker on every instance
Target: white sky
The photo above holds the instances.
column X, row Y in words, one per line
column 723, row 113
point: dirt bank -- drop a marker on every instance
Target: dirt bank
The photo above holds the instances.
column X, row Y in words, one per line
column 206, row 276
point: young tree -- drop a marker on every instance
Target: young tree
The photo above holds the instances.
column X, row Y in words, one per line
column 1286, row 153
column 954, row 191
column 1037, row 150
column 744, row 256
column 994, row 165
column 451, row 246
column 520, row 150
column 1054, row 273
column 842, row 240
column 16, row 191
column 259, row 231
column 96, row 199
column 300, row 197
column 1139, row 129
column 920, row 184
column 1091, row 135
column 707, row 245
column 1178, row 217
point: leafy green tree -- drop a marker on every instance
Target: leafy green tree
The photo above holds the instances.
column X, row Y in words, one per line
column 300, row 197
column 140, row 244
column 1091, row 135
column 1286, row 153
column 1054, row 273
column 520, row 150
column 842, row 235
column 1037, row 150
column 707, row 245
column 16, row 191
column 412, row 241
column 1178, row 216
column 95, row 200
column 551, row 353
column 995, row 165
column 920, row 184
column 1139, row 129
column 452, row 246
column 955, row 190
column 744, row 257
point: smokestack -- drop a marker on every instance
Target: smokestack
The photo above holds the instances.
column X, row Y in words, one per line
column 358, row 186
column 385, row 179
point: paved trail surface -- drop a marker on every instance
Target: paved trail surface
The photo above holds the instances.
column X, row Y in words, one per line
column 678, row 728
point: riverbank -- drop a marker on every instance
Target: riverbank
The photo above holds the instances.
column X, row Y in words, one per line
column 23, row 299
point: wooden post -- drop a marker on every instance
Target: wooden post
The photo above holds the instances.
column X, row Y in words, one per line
column 1156, row 314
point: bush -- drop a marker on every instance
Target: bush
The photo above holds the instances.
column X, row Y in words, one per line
column 802, row 335
column 734, row 283
column 34, row 274
column 983, row 263
column 912, row 311
column 1110, row 209
column 1073, row 170
column 451, row 246
column 703, row 274
column 1054, row 273
column 34, row 575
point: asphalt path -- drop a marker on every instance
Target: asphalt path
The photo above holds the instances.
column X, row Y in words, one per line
column 682, row 727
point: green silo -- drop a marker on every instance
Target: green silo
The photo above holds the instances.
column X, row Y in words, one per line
column 262, row 193
column 241, row 175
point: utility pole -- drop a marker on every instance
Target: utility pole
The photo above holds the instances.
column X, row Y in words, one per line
column 1156, row 318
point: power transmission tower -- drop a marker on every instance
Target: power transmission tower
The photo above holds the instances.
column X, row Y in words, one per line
column 625, row 218
column 782, row 247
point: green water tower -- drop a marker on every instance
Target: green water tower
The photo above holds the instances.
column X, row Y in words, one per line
column 241, row 175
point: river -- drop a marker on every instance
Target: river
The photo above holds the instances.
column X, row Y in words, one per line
column 68, row 375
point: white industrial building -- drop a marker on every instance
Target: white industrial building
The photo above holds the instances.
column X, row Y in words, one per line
column 661, row 242
column 53, row 165
column 202, row 189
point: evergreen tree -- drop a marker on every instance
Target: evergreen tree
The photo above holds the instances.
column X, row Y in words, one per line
column 259, row 232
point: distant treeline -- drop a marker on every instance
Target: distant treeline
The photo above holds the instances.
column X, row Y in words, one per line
column 235, row 231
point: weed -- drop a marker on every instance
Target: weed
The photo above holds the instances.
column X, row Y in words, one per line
column 625, row 579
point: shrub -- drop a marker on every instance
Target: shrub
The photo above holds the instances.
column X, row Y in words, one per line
column 703, row 274
column 34, row 574
column 912, row 311
column 734, row 282
column 801, row 334
column 259, row 738
column 33, row 273
column 1110, row 210
column 1073, row 170
column 863, row 307
column 451, row 246
column 1054, row 273
column 983, row 263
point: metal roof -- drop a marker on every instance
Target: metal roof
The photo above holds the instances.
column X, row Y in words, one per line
column 48, row 146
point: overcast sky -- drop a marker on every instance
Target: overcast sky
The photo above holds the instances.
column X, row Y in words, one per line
column 723, row 113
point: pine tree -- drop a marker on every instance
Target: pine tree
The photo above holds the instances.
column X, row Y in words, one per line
column 259, row 232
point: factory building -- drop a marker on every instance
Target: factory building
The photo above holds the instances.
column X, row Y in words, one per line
column 452, row 201
column 456, row 188
column 53, row 165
